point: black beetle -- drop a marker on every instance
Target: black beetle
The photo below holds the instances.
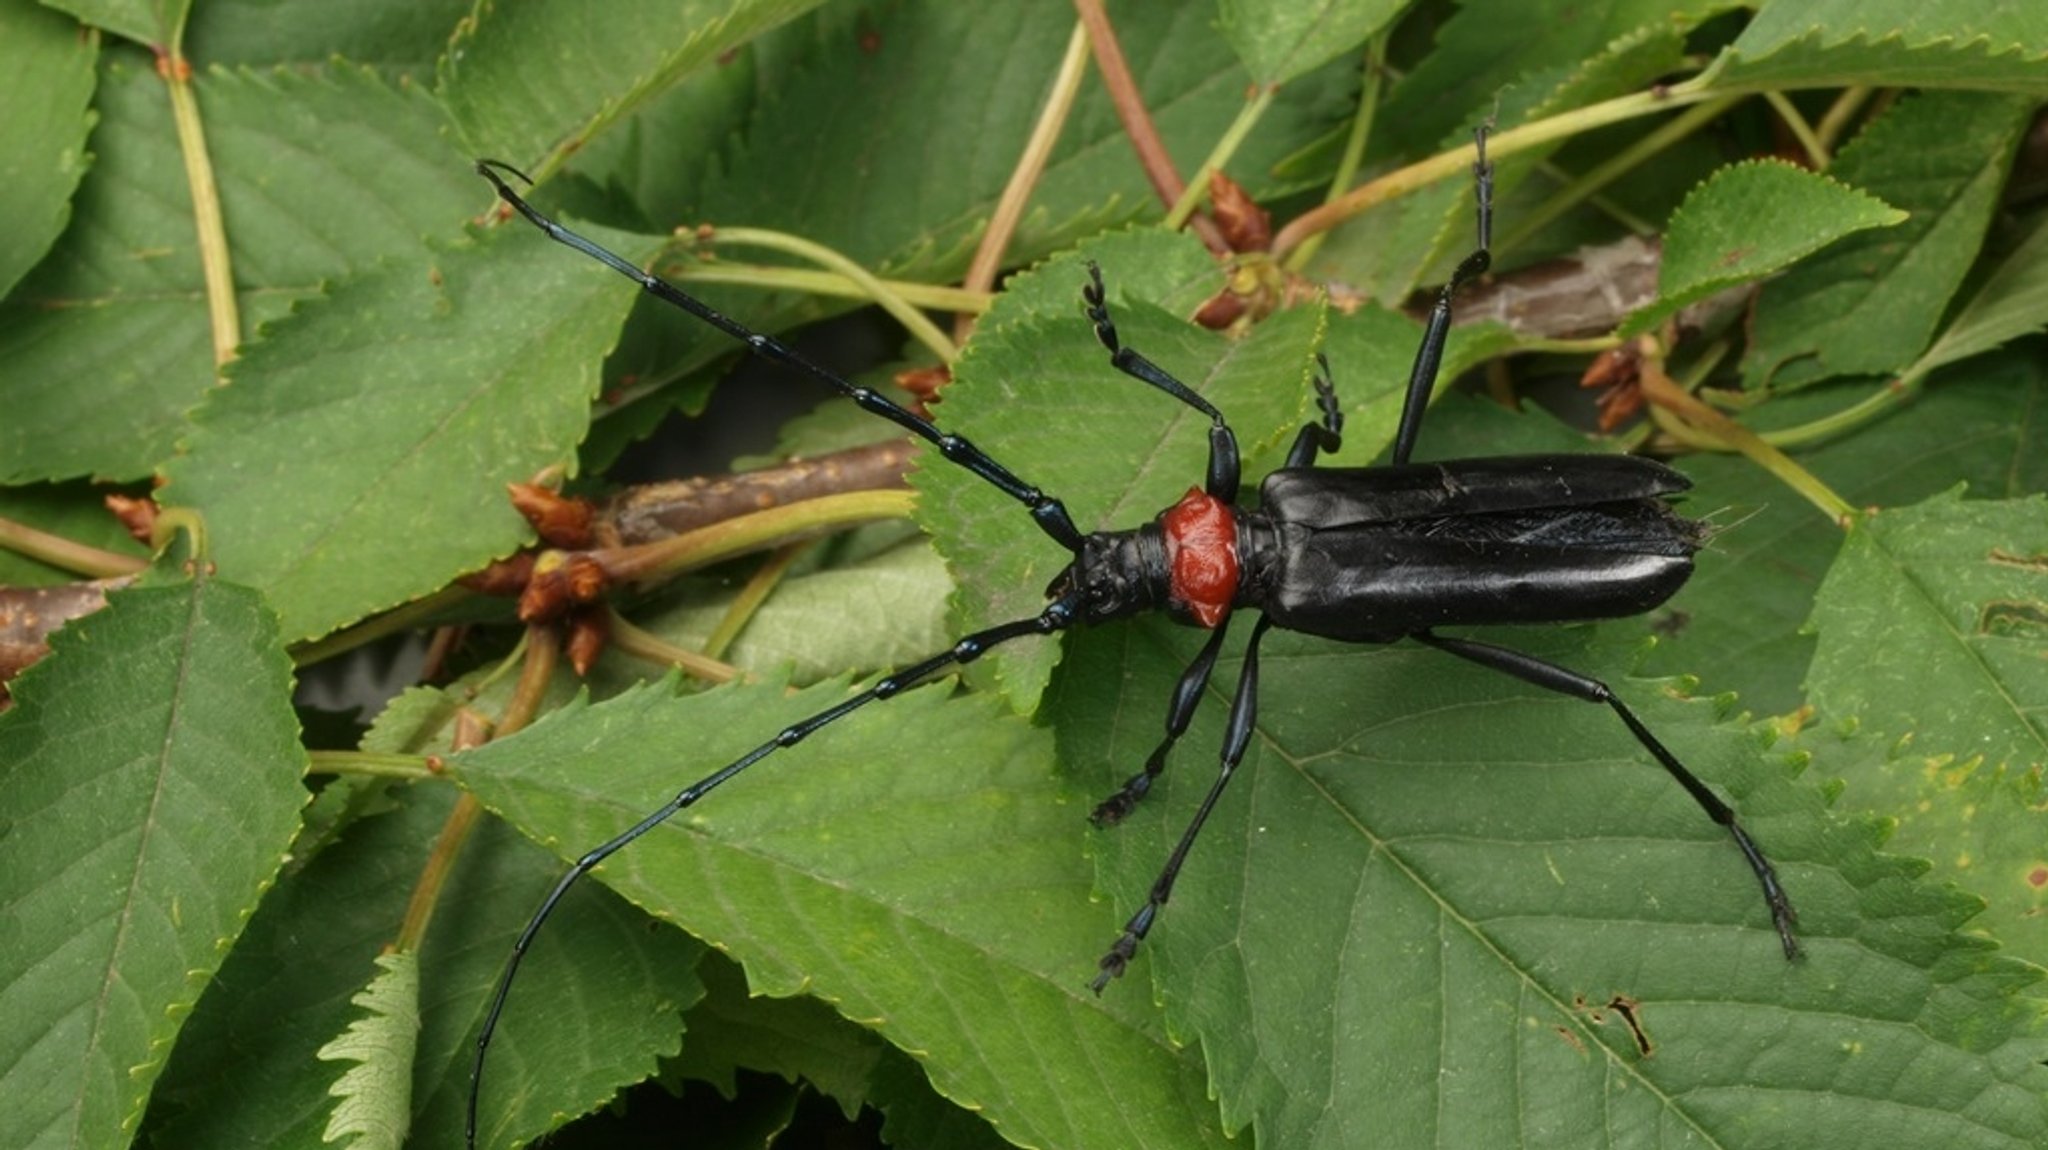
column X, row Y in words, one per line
column 1361, row 555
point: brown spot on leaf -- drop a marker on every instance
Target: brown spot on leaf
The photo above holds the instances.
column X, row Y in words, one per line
column 2013, row 618
column 2032, row 562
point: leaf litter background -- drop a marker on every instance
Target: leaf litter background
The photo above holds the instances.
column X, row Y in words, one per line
column 1437, row 908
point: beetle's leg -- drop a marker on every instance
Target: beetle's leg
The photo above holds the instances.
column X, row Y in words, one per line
column 1186, row 695
column 1223, row 456
column 1046, row 511
column 1058, row 615
column 1422, row 379
column 1552, row 677
column 1237, row 735
column 1326, row 436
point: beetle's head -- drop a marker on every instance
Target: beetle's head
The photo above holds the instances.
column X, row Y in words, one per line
column 1116, row 574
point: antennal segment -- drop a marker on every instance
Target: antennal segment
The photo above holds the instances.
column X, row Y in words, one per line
column 1046, row 511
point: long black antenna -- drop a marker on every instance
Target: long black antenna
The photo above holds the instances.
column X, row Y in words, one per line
column 1058, row 615
column 1049, row 513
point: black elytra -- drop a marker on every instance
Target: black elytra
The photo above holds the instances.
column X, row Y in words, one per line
column 1359, row 555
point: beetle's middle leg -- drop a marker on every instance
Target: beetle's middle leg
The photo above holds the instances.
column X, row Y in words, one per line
column 1564, row 681
column 1325, row 435
column 1187, row 694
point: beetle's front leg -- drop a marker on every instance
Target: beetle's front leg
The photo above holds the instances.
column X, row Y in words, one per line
column 1224, row 464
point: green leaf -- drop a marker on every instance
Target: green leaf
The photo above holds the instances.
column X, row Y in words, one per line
column 1870, row 303
column 855, row 105
column 149, row 776
column 398, row 39
column 929, row 897
column 1748, row 221
column 2012, row 302
column 1490, row 49
column 245, row 1071
column 807, row 625
column 1388, row 251
column 375, row 1095
column 1279, row 40
column 360, row 457
column 106, row 345
column 46, row 80
column 1506, row 864
column 1904, row 43
column 1931, row 626
column 529, row 82
column 803, row 1040
column 1426, row 872
column 154, row 23
column 1737, row 625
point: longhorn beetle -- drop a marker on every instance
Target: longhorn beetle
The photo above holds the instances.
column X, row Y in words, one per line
column 1359, row 555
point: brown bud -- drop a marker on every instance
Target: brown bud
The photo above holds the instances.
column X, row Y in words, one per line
column 1246, row 226
column 589, row 629
column 1618, row 371
column 587, row 579
column 1221, row 310
column 559, row 521
column 504, row 578
column 546, row 594
column 137, row 515
column 925, row 382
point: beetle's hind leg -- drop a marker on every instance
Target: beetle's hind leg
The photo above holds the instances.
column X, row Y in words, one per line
column 1428, row 357
column 1564, row 681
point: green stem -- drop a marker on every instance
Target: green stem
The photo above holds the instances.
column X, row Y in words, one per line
column 1354, row 144
column 222, row 309
column 1662, row 391
column 750, row 598
column 1841, row 114
column 1816, row 152
column 63, row 553
column 920, row 327
column 1009, row 211
column 1890, row 395
column 1233, row 138
column 1511, row 142
column 738, row 536
column 391, row 622
column 170, row 521
column 629, row 639
column 937, row 297
column 370, row 765
column 1620, row 164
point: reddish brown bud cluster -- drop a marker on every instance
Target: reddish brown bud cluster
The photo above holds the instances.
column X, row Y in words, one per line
column 1617, row 370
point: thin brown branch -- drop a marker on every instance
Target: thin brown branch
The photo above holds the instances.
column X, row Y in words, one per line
column 658, row 511
column 1137, row 122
